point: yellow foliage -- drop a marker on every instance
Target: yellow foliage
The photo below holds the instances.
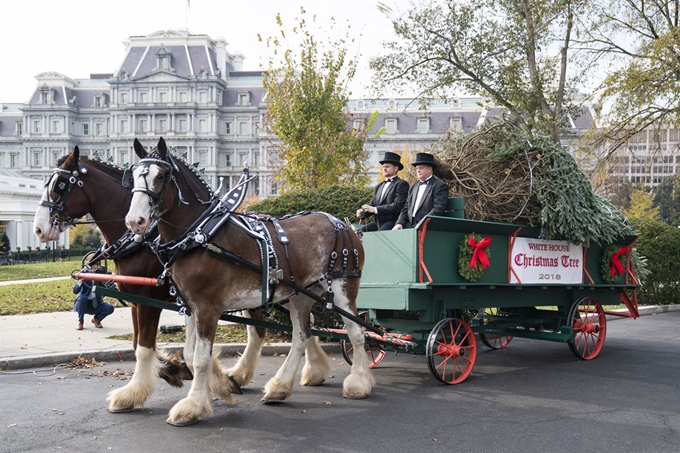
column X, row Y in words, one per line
column 642, row 206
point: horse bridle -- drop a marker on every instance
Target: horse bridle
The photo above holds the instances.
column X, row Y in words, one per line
column 155, row 199
column 62, row 187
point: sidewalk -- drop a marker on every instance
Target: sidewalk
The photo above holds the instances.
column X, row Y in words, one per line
column 47, row 339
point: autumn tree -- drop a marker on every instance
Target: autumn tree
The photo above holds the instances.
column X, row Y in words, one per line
column 640, row 40
column 516, row 53
column 642, row 206
column 307, row 115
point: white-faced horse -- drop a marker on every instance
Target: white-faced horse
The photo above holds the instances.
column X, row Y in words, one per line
column 81, row 186
column 314, row 255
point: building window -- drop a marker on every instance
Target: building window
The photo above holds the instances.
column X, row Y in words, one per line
column 143, row 125
column 163, row 97
column 391, row 125
column 274, row 190
column 143, row 97
column 256, row 185
column 227, row 160
column 358, row 125
column 391, row 104
column 56, row 126
column 164, row 62
column 202, row 97
column 99, row 128
column 37, row 126
column 162, row 125
column 243, row 99
column 423, row 125
column 86, row 129
column 182, row 96
column 123, row 157
column 202, row 125
column 123, row 126
column 256, row 158
column 182, row 125
column 14, row 160
column 55, row 157
column 123, row 98
column 360, row 104
column 37, row 158
column 243, row 128
column 44, row 97
column 20, row 129
column 456, row 124
column 202, row 158
column 98, row 102
column 227, row 127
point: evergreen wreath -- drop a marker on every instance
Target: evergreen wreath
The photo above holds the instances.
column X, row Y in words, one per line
column 606, row 264
column 465, row 252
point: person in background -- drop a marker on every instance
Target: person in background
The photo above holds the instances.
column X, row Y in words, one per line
column 62, row 253
column 428, row 196
column 388, row 197
column 88, row 302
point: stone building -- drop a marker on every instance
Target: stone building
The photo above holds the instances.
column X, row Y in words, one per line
column 191, row 90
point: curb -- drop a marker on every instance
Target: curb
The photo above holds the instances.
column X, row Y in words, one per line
column 128, row 354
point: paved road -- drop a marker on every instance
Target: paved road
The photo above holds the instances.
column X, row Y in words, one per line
column 531, row 397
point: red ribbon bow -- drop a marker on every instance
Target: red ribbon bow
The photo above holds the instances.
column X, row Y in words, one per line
column 478, row 252
column 616, row 266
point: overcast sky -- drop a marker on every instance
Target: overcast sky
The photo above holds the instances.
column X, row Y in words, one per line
column 81, row 37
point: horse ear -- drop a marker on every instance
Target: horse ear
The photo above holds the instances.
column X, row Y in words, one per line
column 162, row 148
column 139, row 149
column 71, row 161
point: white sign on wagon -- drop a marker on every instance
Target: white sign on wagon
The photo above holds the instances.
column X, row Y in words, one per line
column 550, row 262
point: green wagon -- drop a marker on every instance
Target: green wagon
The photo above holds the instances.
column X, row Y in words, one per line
column 547, row 290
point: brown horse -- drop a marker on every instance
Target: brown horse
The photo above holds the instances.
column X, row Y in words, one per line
column 216, row 273
column 81, row 186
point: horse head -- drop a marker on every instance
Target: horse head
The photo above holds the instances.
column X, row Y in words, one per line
column 151, row 178
column 52, row 216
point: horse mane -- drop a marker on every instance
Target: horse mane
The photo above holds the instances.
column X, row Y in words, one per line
column 197, row 184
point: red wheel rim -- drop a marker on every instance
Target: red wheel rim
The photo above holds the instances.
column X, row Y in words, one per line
column 375, row 354
column 589, row 325
column 452, row 351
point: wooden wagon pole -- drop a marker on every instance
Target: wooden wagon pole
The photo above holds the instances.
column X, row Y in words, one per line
column 129, row 279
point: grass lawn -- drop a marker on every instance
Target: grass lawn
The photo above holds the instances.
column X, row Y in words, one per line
column 38, row 270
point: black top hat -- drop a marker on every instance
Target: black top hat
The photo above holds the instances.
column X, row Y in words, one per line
column 425, row 159
column 392, row 158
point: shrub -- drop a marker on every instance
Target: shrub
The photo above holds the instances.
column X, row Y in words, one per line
column 341, row 201
column 659, row 243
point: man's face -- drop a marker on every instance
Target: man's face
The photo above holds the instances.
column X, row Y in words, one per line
column 423, row 172
column 389, row 170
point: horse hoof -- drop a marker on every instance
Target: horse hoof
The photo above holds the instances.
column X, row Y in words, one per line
column 273, row 398
column 120, row 410
column 182, row 422
column 234, row 387
column 355, row 396
column 314, row 384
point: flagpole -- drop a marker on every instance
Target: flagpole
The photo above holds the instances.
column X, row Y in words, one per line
column 186, row 15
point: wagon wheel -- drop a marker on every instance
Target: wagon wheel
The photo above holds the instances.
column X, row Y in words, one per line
column 588, row 321
column 493, row 341
column 451, row 350
column 374, row 353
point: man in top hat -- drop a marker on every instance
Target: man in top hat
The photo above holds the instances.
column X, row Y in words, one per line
column 428, row 196
column 388, row 197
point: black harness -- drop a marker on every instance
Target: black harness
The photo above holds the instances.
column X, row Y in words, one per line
column 220, row 211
